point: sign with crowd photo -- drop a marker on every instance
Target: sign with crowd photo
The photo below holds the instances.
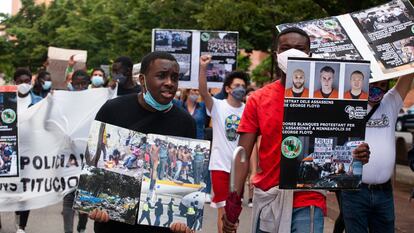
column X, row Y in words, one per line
column 51, row 146
column 188, row 45
column 58, row 62
column 166, row 172
column 9, row 156
column 324, row 120
column 383, row 35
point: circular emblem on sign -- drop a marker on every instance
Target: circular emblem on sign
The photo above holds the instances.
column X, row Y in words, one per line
column 412, row 29
column 331, row 24
column 8, row 116
column 205, row 36
column 291, row 147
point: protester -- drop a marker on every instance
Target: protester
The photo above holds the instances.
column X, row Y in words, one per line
column 42, row 84
column 295, row 210
column 122, row 73
column 225, row 115
column 371, row 208
column 98, row 78
column 79, row 82
column 151, row 111
column 327, row 77
column 25, row 98
column 196, row 109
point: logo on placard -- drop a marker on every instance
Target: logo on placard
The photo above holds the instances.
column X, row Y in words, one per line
column 205, row 36
column 291, row 147
column 355, row 112
column 412, row 29
column 8, row 116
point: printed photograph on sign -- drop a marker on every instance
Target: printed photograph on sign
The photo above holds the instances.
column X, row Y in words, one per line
column 328, row 38
column 356, row 82
column 170, row 171
column 297, row 80
column 326, row 83
column 378, row 18
column 116, row 193
column 9, row 155
column 179, row 44
column 328, row 165
column 173, row 186
column 222, row 46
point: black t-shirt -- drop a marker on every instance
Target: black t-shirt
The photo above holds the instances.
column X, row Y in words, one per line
column 123, row 91
column 125, row 111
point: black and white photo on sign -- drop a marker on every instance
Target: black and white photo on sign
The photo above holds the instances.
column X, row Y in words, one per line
column 8, row 158
column 356, row 81
column 378, row 18
column 326, row 81
column 298, row 79
column 405, row 49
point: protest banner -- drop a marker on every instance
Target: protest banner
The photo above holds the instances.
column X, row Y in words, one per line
column 9, row 153
column 324, row 120
column 165, row 173
column 52, row 140
column 58, row 61
column 188, row 45
column 383, row 35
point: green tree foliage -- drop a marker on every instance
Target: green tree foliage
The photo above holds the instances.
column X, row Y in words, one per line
column 109, row 28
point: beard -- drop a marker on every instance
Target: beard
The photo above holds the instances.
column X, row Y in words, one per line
column 298, row 85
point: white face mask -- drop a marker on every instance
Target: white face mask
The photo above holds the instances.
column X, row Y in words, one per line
column 24, row 88
column 282, row 58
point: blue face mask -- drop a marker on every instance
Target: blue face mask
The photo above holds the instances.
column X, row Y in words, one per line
column 152, row 102
column 70, row 87
column 97, row 81
column 47, row 85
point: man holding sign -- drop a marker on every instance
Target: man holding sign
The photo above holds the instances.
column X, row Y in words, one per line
column 371, row 209
column 263, row 115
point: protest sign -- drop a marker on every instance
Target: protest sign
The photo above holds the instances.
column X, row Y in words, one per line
column 188, row 45
column 9, row 153
column 52, row 140
column 58, row 61
column 324, row 119
column 383, row 35
column 166, row 171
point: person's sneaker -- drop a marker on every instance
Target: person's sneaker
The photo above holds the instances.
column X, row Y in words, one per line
column 20, row 231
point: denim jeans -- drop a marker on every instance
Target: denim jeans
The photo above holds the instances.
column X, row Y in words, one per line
column 365, row 208
column 162, row 168
column 198, row 171
column 178, row 167
column 301, row 221
column 130, row 162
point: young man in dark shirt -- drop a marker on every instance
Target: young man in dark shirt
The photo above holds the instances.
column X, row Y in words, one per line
column 150, row 111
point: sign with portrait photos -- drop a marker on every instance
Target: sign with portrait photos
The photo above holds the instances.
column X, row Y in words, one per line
column 324, row 120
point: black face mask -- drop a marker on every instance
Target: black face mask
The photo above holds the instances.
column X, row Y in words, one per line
column 120, row 78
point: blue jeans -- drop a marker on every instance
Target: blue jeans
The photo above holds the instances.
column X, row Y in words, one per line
column 365, row 208
column 301, row 221
column 130, row 162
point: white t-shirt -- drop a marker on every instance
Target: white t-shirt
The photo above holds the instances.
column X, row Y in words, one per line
column 23, row 103
column 225, row 119
column 380, row 136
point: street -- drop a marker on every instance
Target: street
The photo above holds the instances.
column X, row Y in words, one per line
column 49, row 220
